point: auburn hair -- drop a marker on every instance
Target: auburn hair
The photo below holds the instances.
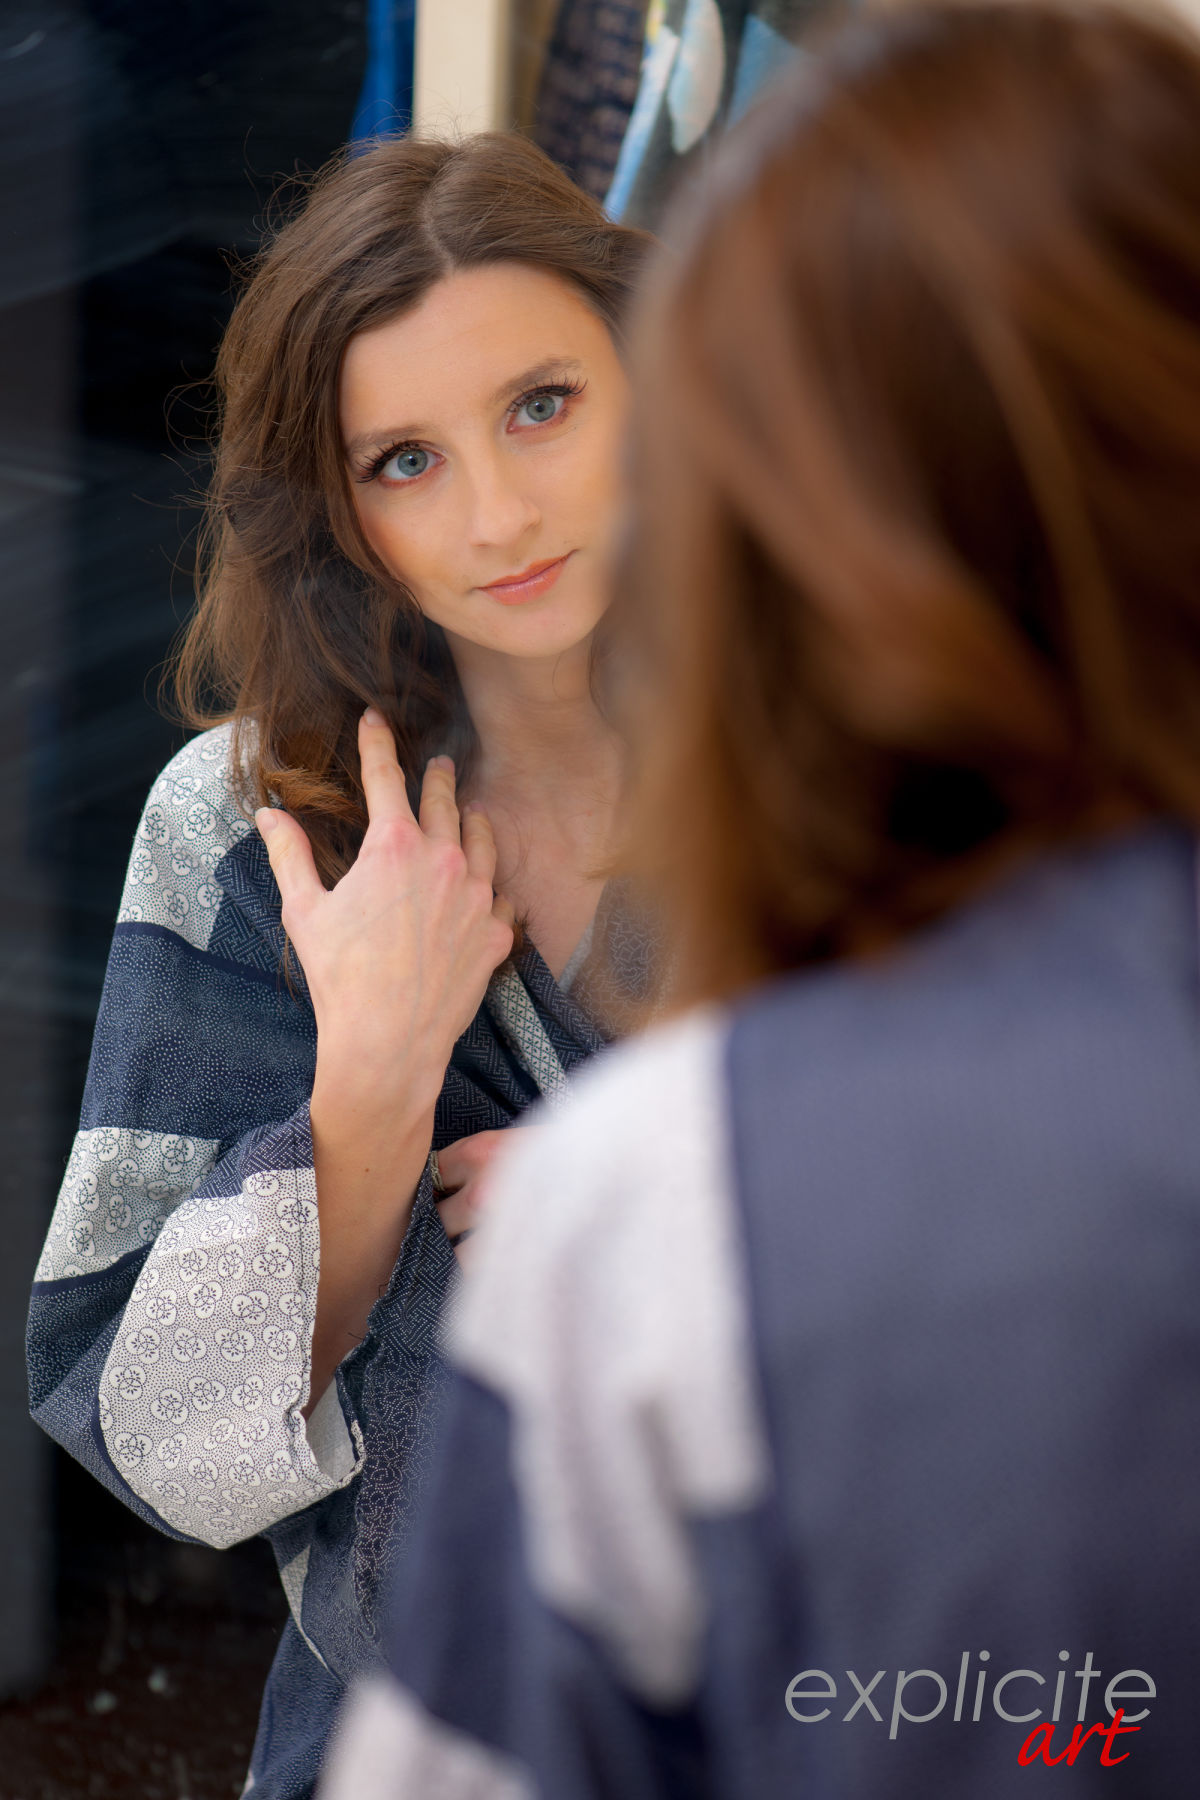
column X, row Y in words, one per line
column 916, row 584
column 299, row 626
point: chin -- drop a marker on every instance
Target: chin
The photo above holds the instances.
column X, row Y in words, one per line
column 530, row 632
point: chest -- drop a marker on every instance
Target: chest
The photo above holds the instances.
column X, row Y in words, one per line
column 557, row 904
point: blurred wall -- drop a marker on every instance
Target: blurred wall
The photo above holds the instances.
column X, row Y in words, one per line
column 140, row 146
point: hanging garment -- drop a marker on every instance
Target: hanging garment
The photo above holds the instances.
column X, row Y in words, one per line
column 588, row 87
column 532, row 27
column 385, row 103
column 704, row 62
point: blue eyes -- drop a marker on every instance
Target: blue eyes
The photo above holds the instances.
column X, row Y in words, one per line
column 539, row 409
column 405, row 465
column 402, row 464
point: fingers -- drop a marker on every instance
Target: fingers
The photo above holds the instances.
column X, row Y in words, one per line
column 457, row 1214
column 479, row 848
column 462, row 1211
column 291, row 859
column 382, row 778
column 384, row 787
column 460, row 1217
column 439, row 809
column 479, row 843
column 505, row 913
column 461, row 1161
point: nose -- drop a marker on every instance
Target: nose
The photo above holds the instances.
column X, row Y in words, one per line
column 499, row 509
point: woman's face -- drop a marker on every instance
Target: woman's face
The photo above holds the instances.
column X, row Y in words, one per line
column 483, row 439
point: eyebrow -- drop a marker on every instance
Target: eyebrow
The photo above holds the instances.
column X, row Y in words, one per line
column 546, row 370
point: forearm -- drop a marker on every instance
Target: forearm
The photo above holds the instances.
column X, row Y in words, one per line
column 396, row 956
column 367, row 1160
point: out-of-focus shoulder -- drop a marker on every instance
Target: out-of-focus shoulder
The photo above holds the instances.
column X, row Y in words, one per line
column 606, row 1309
column 648, row 1085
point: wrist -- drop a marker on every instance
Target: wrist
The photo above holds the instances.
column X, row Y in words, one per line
column 355, row 1076
column 378, row 1124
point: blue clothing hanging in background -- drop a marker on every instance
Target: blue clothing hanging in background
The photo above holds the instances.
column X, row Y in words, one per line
column 704, row 62
column 385, row 104
column 588, row 87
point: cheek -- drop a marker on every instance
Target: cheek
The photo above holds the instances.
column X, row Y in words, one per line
column 606, row 483
column 394, row 541
column 370, row 521
column 589, row 482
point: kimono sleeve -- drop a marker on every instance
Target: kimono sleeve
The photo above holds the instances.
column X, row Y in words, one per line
column 170, row 1325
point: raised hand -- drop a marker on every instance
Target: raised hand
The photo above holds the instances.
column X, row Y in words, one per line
column 397, row 956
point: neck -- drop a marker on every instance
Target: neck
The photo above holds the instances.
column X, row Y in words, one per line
column 543, row 743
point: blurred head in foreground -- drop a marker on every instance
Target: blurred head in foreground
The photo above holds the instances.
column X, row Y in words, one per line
column 826, row 1417
column 917, row 583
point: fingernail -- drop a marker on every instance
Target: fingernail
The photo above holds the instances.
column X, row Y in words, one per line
column 373, row 717
column 442, row 762
column 264, row 818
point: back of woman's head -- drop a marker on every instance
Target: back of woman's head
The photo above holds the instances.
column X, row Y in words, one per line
column 918, row 579
column 299, row 624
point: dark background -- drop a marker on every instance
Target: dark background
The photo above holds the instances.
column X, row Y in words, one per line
column 140, row 147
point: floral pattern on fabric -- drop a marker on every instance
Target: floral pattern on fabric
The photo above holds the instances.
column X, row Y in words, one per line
column 201, row 1393
column 118, row 1188
column 189, row 822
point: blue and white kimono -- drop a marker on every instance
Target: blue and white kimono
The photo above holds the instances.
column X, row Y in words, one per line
column 171, row 1323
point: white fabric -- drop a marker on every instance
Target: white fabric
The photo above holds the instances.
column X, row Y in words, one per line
column 191, row 820
column 201, row 1393
column 293, row 1575
column 387, row 1747
column 328, row 1438
column 118, row 1188
column 577, row 958
column 606, row 1306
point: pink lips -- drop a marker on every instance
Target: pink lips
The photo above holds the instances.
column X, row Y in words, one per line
column 531, row 582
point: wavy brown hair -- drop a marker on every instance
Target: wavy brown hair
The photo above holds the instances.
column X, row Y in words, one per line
column 917, row 586
column 299, row 626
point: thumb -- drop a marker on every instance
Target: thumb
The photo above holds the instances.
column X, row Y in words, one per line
column 291, row 858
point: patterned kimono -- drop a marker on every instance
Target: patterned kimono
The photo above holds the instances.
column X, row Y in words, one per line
column 171, row 1322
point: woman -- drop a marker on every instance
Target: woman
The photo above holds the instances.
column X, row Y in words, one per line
column 412, row 514
column 853, row 1449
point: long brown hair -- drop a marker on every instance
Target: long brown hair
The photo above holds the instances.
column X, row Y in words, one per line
column 298, row 625
column 917, row 586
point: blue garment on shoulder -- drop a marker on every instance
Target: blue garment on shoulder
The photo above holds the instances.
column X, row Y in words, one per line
column 965, row 1179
